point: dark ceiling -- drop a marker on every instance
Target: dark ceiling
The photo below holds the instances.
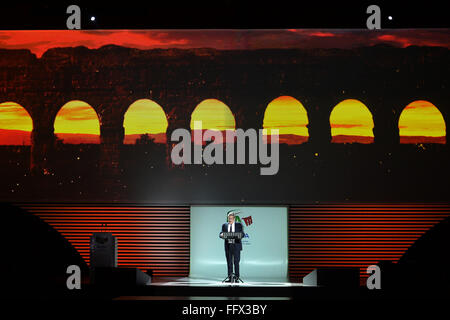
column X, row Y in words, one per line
column 240, row 14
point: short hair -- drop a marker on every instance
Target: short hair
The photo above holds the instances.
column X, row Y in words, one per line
column 232, row 213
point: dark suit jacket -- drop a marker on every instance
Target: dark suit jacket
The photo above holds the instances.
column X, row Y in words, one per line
column 237, row 228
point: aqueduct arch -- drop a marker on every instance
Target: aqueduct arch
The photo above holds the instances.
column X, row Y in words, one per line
column 246, row 81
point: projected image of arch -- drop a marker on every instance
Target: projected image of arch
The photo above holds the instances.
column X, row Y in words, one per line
column 288, row 115
column 145, row 120
column 351, row 122
column 213, row 115
column 421, row 122
column 15, row 124
column 77, row 122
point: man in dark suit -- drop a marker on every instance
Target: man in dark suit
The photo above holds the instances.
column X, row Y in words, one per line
column 232, row 250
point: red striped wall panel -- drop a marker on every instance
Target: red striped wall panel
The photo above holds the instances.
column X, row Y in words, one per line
column 157, row 237
column 355, row 235
column 149, row 237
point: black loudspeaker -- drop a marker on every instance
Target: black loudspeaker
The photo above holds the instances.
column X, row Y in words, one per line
column 103, row 250
column 344, row 277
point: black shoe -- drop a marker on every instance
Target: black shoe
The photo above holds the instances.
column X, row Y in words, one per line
column 228, row 279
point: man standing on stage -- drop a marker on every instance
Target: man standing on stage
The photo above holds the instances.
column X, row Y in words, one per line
column 232, row 248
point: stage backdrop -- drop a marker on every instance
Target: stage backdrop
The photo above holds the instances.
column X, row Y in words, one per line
column 264, row 255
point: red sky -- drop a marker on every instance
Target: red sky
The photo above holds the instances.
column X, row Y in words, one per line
column 38, row 41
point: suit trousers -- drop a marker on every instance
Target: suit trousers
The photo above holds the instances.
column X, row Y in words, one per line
column 233, row 255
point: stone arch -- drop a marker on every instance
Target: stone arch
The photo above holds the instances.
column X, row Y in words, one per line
column 77, row 122
column 208, row 107
column 16, row 124
column 421, row 122
column 290, row 117
column 351, row 121
column 214, row 115
column 139, row 119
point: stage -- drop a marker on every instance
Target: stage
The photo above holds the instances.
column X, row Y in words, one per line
column 196, row 282
column 186, row 288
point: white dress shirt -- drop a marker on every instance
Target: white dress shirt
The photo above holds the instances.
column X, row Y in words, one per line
column 231, row 227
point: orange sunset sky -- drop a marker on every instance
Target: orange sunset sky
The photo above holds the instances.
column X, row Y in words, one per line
column 350, row 121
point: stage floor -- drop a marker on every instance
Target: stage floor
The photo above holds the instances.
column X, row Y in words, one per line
column 195, row 282
column 186, row 288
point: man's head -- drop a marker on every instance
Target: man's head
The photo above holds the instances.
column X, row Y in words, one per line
column 231, row 216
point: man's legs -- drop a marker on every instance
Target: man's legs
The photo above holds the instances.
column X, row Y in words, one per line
column 228, row 254
column 236, row 259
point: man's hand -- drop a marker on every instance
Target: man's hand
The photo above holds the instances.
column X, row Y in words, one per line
column 221, row 235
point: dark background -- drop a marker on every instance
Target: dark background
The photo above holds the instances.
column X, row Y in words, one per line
column 239, row 14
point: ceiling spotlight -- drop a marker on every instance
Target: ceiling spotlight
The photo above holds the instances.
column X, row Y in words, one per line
column 92, row 18
column 390, row 17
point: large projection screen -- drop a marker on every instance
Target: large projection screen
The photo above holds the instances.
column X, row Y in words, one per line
column 264, row 255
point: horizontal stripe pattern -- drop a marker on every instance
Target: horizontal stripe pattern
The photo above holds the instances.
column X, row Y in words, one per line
column 148, row 237
column 355, row 235
column 320, row 235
